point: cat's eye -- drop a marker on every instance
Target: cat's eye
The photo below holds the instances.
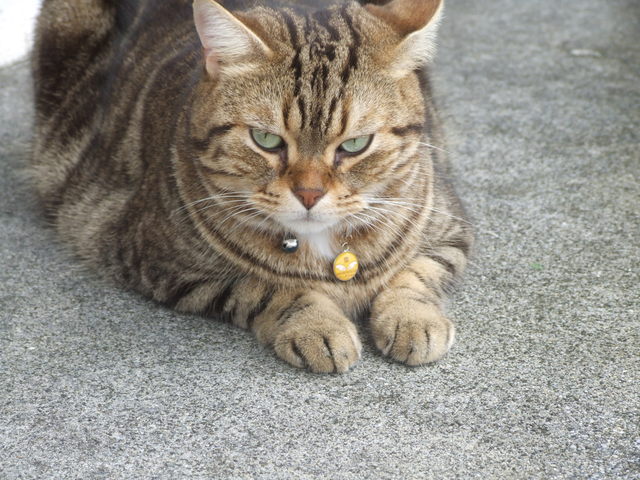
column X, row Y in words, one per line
column 267, row 141
column 356, row 145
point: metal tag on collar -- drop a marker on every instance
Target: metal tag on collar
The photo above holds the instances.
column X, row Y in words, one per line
column 345, row 265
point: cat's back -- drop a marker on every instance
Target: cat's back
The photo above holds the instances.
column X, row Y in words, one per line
column 77, row 40
column 93, row 64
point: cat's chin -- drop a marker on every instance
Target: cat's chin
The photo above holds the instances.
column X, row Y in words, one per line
column 307, row 223
column 307, row 226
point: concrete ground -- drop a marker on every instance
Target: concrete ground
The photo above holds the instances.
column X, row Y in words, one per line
column 542, row 101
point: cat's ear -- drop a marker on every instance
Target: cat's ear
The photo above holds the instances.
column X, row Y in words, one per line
column 229, row 44
column 417, row 23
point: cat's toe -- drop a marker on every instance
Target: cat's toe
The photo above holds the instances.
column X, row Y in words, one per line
column 320, row 348
column 422, row 337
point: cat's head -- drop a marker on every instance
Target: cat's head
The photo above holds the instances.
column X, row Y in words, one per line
column 303, row 118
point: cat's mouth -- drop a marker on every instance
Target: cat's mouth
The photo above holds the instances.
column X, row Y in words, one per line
column 308, row 223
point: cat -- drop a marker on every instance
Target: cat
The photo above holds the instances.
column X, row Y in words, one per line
column 178, row 145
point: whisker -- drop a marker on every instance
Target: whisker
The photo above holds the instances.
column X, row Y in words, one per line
column 214, row 197
column 386, row 210
column 214, row 207
column 434, row 147
column 404, row 200
column 446, row 214
column 438, row 211
column 402, row 203
column 405, row 207
column 385, row 222
column 259, row 226
column 373, row 227
column 245, row 220
column 367, row 224
column 237, row 210
column 218, row 204
column 351, row 228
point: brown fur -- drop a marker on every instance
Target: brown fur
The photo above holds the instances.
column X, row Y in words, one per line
column 144, row 163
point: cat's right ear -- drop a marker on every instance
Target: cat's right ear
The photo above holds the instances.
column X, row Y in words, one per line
column 229, row 45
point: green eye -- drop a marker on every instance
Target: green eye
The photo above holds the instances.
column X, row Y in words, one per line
column 356, row 145
column 265, row 140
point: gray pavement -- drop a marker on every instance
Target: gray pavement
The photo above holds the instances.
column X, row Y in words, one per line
column 542, row 102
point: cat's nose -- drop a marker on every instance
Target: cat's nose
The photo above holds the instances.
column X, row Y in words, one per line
column 309, row 196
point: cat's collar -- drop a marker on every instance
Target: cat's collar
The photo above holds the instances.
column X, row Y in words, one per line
column 345, row 264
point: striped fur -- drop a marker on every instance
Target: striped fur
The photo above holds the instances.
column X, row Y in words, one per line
column 144, row 164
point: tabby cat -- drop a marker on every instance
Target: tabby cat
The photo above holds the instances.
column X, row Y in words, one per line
column 178, row 145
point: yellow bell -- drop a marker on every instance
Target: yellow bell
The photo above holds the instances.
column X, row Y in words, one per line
column 345, row 266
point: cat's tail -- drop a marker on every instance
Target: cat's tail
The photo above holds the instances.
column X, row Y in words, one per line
column 70, row 36
column 74, row 40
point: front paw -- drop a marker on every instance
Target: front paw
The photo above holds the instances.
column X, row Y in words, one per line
column 311, row 339
column 411, row 332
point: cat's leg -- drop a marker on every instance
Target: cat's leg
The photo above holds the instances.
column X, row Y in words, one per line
column 407, row 321
column 305, row 328
column 309, row 330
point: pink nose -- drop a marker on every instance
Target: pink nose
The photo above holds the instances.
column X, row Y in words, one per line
column 309, row 197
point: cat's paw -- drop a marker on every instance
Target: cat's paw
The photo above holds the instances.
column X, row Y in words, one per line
column 412, row 332
column 321, row 345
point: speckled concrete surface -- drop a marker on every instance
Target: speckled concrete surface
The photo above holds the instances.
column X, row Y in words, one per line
column 542, row 101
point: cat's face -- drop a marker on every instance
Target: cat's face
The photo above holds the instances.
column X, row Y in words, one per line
column 312, row 121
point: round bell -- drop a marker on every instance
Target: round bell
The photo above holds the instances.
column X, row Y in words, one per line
column 290, row 245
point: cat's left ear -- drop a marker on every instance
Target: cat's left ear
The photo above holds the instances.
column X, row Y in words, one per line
column 416, row 21
column 230, row 46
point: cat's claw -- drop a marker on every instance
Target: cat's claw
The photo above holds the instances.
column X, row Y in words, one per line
column 321, row 346
column 423, row 336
